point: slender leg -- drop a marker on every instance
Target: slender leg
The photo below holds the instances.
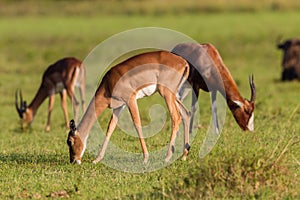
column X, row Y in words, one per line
column 134, row 111
column 194, row 108
column 214, row 110
column 111, row 127
column 64, row 105
column 82, row 78
column 50, row 107
column 82, row 96
column 70, row 92
column 185, row 115
column 175, row 117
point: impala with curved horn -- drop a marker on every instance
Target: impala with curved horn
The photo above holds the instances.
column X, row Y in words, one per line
column 60, row 77
column 205, row 59
column 121, row 86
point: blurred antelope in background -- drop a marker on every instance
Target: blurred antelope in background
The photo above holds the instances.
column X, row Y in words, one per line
column 60, row 77
column 209, row 73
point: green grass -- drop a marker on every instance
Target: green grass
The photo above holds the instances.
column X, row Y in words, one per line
column 259, row 165
column 145, row 7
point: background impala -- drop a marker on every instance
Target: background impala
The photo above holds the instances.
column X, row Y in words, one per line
column 60, row 77
column 209, row 73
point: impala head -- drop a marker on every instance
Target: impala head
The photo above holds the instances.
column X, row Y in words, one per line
column 243, row 111
column 75, row 144
column 23, row 111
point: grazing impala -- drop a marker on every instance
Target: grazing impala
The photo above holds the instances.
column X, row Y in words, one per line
column 60, row 77
column 205, row 58
column 121, row 86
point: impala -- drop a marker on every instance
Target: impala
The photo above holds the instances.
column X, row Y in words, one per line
column 205, row 59
column 60, row 77
column 121, row 86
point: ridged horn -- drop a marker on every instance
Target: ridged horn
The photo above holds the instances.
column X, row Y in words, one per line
column 19, row 108
column 253, row 90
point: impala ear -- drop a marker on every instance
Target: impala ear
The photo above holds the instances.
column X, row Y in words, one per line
column 238, row 103
column 72, row 127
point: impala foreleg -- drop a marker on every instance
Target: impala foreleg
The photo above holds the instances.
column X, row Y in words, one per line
column 50, row 108
column 64, row 105
column 214, row 110
column 111, row 127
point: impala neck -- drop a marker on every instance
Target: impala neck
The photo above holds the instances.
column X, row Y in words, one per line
column 232, row 93
column 231, row 89
column 39, row 98
column 98, row 104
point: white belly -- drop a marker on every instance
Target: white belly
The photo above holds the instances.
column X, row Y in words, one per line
column 146, row 91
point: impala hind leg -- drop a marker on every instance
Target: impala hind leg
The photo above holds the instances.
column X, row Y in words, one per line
column 135, row 115
column 111, row 127
column 175, row 117
column 64, row 105
column 50, row 108
column 82, row 96
column 194, row 107
column 186, row 117
column 75, row 103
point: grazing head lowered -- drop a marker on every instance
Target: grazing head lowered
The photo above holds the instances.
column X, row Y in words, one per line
column 243, row 111
column 22, row 110
column 209, row 73
column 75, row 144
column 135, row 78
column 291, row 59
column 61, row 77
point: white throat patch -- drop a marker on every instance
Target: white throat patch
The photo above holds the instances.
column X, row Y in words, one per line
column 250, row 125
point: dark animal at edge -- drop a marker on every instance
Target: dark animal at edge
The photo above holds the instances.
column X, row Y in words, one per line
column 291, row 59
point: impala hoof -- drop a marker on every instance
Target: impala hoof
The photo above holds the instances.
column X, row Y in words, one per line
column 146, row 158
column 186, row 151
column 47, row 128
column 168, row 158
column 95, row 162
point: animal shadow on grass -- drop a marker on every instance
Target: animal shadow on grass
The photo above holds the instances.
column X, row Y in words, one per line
column 27, row 158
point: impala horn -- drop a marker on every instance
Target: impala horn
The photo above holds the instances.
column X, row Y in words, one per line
column 22, row 107
column 253, row 90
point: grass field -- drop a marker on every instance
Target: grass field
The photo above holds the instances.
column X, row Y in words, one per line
column 243, row 165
